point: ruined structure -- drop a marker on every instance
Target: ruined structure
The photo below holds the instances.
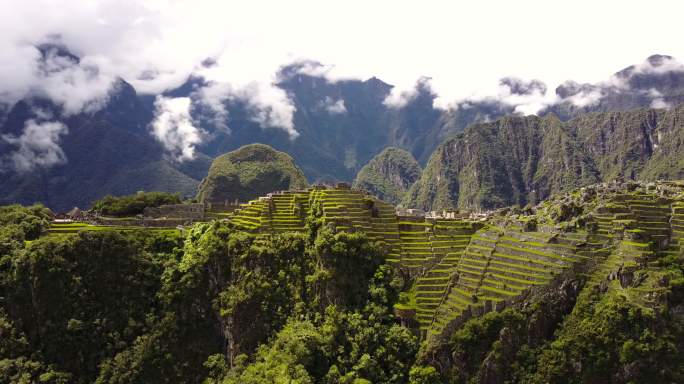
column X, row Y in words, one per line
column 464, row 267
column 194, row 212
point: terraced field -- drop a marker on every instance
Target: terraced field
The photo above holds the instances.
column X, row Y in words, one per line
column 67, row 228
column 499, row 265
column 463, row 268
column 411, row 242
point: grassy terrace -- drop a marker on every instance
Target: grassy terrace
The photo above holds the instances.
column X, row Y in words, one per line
column 67, row 228
column 498, row 265
column 409, row 240
column 458, row 265
column 429, row 250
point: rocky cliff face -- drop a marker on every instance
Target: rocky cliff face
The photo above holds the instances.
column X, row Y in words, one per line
column 389, row 175
column 521, row 160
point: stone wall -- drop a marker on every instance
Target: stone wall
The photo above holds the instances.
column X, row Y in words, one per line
column 176, row 211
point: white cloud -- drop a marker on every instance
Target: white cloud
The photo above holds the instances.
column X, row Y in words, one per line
column 174, row 128
column 213, row 97
column 462, row 46
column 585, row 98
column 332, row 106
column 654, row 93
column 76, row 86
column 269, row 105
column 37, row 147
column 399, row 98
column 660, row 103
column 525, row 97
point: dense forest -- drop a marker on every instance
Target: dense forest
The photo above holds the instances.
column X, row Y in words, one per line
column 134, row 204
column 215, row 304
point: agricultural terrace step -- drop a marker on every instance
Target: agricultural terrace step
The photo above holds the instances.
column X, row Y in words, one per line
column 438, row 274
column 502, row 285
column 506, row 248
column 512, row 259
column 497, row 292
column 509, row 278
column 498, row 264
column 539, row 247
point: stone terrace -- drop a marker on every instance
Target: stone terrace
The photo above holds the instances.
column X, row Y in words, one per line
column 463, row 268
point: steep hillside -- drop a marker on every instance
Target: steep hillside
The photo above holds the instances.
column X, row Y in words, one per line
column 249, row 172
column 585, row 287
column 108, row 152
column 546, row 283
column 389, row 175
column 521, row 160
column 329, row 285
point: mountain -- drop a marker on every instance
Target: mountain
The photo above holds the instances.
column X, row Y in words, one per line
column 658, row 82
column 249, row 172
column 341, row 126
column 106, row 152
column 389, row 175
column 521, row 160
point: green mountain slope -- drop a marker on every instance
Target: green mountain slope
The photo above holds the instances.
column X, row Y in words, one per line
column 520, row 160
column 586, row 285
column 389, row 175
column 249, row 172
column 329, row 285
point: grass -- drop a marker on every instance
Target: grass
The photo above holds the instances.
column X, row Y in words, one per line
column 68, row 228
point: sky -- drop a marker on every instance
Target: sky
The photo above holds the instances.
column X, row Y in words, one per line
column 463, row 47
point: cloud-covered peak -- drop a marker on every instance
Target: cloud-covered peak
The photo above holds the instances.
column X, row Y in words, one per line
column 311, row 68
column 399, row 98
column 521, row 87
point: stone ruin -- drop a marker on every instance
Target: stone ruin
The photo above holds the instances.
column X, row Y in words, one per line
column 175, row 211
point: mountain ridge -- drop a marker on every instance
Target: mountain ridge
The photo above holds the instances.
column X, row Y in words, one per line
column 342, row 125
column 521, row 160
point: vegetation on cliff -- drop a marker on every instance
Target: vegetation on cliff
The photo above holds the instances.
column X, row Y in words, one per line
column 586, row 286
column 521, row 160
column 389, row 175
column 249, row 172
column 134, row 204
column 218, row 305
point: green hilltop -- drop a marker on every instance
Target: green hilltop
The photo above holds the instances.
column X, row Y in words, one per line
column 249, row 172
column 389, row 175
